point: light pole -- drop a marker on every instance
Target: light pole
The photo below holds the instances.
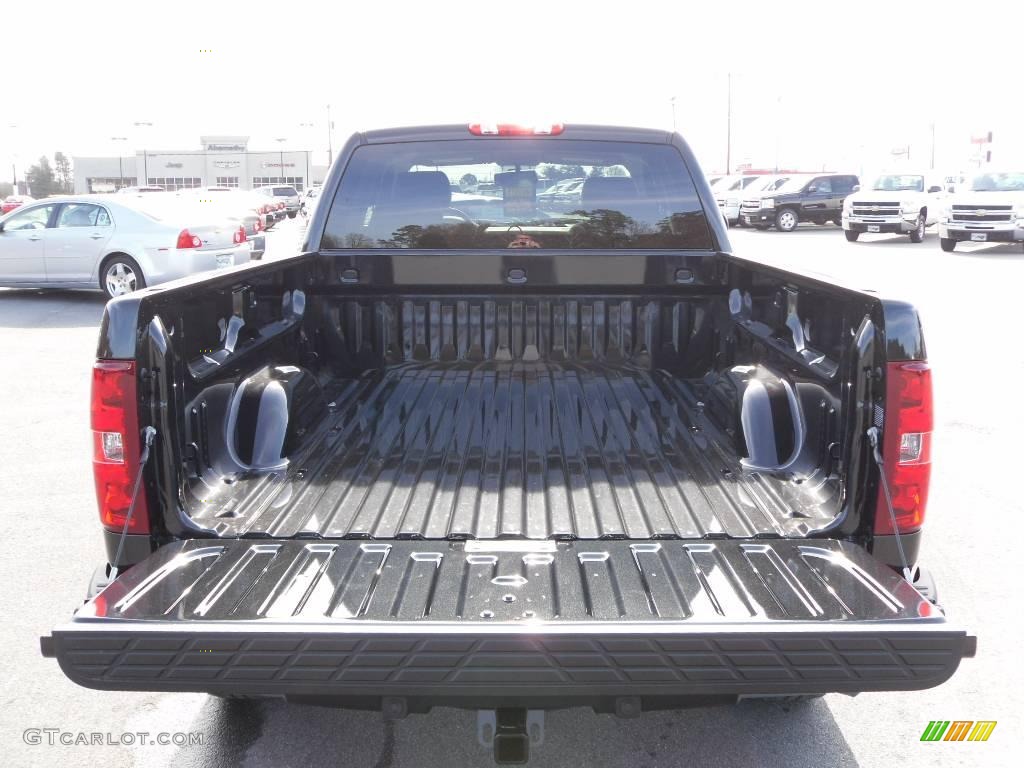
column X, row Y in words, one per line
column 778, row 117
column 673, row 102
column 145, row 163
column 330, row 149
column 280, row 146
column 933, row 145
column 307, row 183
column 14, row 162
column 728, row 126
column 120, row 158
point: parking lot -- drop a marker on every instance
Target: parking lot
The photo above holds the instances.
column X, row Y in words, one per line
column 969, row 304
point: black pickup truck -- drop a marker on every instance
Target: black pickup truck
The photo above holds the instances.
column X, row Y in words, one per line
column 513, row 461
column 812, row 198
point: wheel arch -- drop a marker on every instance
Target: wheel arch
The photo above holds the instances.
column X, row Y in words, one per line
column 111, row 252
column 107, row 257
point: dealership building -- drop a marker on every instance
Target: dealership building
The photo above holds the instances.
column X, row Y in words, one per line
column 222, row 161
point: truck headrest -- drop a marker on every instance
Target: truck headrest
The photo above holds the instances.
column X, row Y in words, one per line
column 423, row 189
column 611, row 192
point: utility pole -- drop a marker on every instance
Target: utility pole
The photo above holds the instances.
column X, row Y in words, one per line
column 728, row 127
column 673, row 100
column 330, row 148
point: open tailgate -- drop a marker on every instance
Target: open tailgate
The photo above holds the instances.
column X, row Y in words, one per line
column 537, row 619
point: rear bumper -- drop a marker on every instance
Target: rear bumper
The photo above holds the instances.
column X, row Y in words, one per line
column 534, row 621
column 174, row 264
column 473, row 664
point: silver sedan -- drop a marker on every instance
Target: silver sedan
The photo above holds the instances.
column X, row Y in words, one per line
column 113, row 244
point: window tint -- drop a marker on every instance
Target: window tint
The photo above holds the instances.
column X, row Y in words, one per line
column 844, row 184
column 998, row 182
column 822, row 186
column 619, row 195
column 285, row 192
column 31, row 218
column 82, row 215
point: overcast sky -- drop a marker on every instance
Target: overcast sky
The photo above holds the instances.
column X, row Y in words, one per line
column 814, row 84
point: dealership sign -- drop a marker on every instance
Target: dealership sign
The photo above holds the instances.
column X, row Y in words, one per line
column 225, row 147
column 175, row 165
column 226, row 163
column 278, row 165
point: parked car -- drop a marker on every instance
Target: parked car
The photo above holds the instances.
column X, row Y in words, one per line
column 816, row 198
column 13, row 201
column 561, row 196
column 238, row 205
column 113, row 243
column 729, row 195
column 284, row 197
column 764, row 185
column 988, row 210
column 898, row 203
column 622, row 469
column 715, row 179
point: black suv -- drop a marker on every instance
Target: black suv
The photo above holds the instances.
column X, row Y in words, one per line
column 817, row 198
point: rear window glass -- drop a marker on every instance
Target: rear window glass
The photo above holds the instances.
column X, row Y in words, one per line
column 516, row 193
column 285, row 191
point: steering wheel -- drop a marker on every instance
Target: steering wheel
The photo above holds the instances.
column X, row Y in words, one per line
column 462, row 215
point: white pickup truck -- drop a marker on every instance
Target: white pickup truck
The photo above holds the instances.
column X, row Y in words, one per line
column 990, row 209
column 898, row 203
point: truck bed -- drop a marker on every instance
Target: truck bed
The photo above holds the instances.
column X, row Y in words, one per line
column 515, row 449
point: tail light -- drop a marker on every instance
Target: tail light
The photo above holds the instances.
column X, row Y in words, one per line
column 510, row 129
column 115, row 439
column 259, row 223
column 280, row 206
column 906, row 446
column 187, row 240
column 239, row 236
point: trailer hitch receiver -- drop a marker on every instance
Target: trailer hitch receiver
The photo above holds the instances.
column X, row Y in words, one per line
column 510, row 733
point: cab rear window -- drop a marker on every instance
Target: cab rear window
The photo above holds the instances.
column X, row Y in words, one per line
column 519, row 193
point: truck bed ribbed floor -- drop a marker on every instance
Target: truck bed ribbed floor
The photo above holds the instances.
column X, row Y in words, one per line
column 516, row 450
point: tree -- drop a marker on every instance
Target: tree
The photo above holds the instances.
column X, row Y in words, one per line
column 553, row 172
column 65, row 177
column 41, row 180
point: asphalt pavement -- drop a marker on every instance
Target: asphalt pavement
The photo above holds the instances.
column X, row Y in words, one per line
column 970, row 303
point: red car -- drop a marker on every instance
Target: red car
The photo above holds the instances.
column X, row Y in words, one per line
column 13, row 201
